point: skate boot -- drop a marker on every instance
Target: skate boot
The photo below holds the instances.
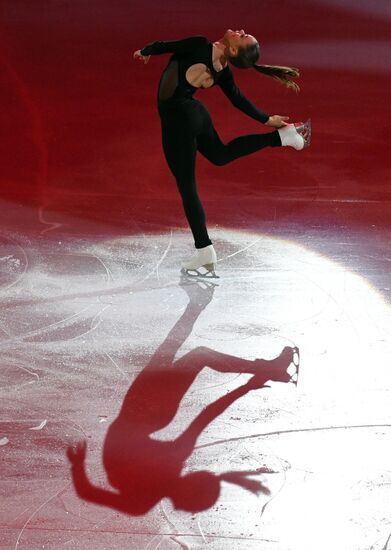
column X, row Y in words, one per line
column 284, row 368
column 297, row 135
column 201, row 264
column 289, row 363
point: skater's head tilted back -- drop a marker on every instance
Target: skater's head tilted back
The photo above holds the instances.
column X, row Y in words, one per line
column 243, row 52
column 196, row 491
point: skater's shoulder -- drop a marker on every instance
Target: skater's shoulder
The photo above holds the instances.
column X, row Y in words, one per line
column 199, row 38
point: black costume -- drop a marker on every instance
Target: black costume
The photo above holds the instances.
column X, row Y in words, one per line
column 187, row 125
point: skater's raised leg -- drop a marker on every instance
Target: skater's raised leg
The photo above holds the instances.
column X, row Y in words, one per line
column 262, row 369
column 211, row 147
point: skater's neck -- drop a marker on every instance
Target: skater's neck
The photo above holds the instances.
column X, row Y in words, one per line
column 219, row 55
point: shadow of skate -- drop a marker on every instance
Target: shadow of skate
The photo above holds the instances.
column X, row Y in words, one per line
column 143, row 470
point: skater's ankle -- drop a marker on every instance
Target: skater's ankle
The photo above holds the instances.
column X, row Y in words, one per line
column 203, row 246
column 275, row 139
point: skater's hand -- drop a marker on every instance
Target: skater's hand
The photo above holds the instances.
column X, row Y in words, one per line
column 138, row 55
column 77, row 454
column 277, row 121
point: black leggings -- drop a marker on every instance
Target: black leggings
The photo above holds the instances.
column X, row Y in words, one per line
column 186, row 128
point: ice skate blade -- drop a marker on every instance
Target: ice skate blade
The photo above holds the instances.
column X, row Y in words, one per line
column 304, row 127
column 208, row 272
column 279, row 370
column 296, row 363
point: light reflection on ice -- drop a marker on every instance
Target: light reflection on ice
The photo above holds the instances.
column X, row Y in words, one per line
column 101, row 309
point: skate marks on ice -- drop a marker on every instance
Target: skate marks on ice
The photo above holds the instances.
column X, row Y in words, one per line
column 142, row 469
column 101, row 308
column 314, row 284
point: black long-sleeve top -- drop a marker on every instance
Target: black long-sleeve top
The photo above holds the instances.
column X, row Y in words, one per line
column 187, row 52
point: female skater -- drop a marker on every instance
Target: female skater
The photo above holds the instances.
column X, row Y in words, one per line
column 187, row 125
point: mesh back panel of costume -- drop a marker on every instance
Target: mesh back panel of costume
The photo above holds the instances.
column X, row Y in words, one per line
column 169, row 81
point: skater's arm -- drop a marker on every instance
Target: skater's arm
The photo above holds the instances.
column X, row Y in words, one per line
column 186, row 45
column 91, row 493
column 83, row 486
column 228, row 86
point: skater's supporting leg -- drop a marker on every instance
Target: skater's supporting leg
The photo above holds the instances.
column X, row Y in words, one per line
column 180, row 149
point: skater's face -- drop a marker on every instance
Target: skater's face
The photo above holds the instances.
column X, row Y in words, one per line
column 238, row 39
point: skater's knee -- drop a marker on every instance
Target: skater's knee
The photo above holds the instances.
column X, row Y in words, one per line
column 196, row 354
column 216, row 155
column 200, row 349
column 221, row 161
column 201, row 352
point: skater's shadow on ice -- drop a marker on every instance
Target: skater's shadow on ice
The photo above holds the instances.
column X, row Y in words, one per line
column 143, row 470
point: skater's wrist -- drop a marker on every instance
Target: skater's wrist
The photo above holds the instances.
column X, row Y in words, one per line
column 277, row 121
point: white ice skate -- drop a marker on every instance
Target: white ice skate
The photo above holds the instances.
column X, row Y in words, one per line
column 201, row 264
column 297, row 135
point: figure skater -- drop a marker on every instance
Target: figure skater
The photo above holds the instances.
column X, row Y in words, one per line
column 187, row 125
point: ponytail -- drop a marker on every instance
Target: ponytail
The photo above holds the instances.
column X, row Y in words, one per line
column 241, row 479
column 281, row 74
column 248, row 56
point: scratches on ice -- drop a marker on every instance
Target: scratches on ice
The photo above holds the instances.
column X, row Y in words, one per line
column 239, row 251
column 38, row 510
column 156, row 268
column 40, row 426
column 32, row 373
column 124, row 374
column 51, row 225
